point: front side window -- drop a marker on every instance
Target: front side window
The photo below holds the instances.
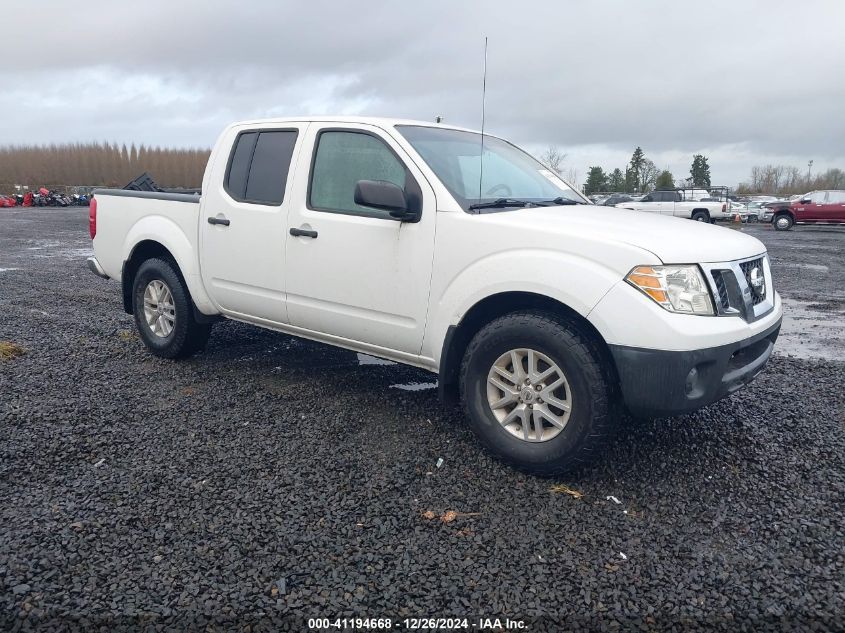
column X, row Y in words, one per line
column 818, row 197
column 472, row 177
column 258, row 168
column 341, row 159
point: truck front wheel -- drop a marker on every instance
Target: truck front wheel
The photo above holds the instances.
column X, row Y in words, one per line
column 537, row 393
column 163, row 312
column 783, row 222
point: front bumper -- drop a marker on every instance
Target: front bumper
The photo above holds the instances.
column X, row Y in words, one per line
column 657, row 383
column 94, row 267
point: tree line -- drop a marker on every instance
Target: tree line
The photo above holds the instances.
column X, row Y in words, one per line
column 99, row 164
column 642, row 175
column 785, row 180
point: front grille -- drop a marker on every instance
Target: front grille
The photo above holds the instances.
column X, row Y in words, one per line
column 721, row 288
column 747, row 267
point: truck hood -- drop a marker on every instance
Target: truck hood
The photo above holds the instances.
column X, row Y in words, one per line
column 672, row 240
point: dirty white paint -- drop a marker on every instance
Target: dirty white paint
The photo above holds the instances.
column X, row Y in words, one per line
column 810, row 333
column 8, row 270
column 415, row 386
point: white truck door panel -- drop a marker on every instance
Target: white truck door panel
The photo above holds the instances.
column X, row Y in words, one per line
column 243, row 222
column 357, row 273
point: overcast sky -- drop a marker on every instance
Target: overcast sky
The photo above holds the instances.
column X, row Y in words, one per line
column 744, row 82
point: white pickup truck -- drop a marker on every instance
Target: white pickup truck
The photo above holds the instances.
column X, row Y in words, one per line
column 432, row 246
column 673, row 203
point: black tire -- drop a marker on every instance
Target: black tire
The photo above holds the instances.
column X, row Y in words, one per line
column 782, row 222
column 590, row 381
column 187, row 336
column 701, row 216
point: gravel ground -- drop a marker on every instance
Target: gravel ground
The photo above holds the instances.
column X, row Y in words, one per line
column 270, row 480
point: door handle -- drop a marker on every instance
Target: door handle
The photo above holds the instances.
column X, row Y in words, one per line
column 220, row 221
column 303, row 233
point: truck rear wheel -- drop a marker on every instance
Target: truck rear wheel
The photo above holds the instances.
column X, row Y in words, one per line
column 537, row 393
column 783, row 222
column 701, row 216
column 163, row 312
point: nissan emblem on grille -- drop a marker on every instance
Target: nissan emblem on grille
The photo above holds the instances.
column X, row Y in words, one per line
column 758, row 284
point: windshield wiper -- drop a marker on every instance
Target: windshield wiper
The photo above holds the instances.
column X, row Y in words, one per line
column 560, row 201
column 501, row 203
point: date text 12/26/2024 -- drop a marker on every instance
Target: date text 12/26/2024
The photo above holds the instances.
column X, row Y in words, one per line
column 412, row 624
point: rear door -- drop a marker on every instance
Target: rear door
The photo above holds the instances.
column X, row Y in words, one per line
column 357, row 273
column 243, row 223
column 834, row 207
column 653, row 203
column 666, row 201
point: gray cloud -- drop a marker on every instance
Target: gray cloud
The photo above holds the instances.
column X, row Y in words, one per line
column 745, row 81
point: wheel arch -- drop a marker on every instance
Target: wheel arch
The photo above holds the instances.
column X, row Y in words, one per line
column 151, row 249
column 492, row 307
column 141, row 252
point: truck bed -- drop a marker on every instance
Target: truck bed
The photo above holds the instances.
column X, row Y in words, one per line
column 130, row 217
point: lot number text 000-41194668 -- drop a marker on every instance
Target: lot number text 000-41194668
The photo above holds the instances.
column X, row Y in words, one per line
column 387, row 624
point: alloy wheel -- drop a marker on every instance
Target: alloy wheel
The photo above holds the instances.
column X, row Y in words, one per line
column 529, row 395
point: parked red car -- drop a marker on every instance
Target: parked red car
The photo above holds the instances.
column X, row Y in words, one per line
column 7, row 201
column 816, row 207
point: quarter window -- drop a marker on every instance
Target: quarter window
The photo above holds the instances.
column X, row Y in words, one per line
column 341, row 160
column 258, row 169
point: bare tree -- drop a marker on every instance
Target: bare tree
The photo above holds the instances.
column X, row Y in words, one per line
column 648, row 174
column 553, row 159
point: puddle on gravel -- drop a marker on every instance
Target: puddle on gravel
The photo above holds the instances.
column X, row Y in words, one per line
column 67, row 253
column 812, row 330
column 415, row 386
column 366, row 359
column 817, row 267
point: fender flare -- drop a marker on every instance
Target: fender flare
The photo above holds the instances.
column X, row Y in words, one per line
column 166, row 232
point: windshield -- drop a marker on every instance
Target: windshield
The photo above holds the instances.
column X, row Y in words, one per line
column 503, row 172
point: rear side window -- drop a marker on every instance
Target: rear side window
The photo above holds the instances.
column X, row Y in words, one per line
column 836, row 197
column 258, row 168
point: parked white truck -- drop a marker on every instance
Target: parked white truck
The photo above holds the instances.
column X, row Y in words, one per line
column 543, row 314
column 673, row 203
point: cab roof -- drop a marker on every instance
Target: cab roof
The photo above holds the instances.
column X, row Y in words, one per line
column 376, row 121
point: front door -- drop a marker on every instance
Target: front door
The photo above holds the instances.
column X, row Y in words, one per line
column 243, row 228
column 354, row 272
column 813, row 210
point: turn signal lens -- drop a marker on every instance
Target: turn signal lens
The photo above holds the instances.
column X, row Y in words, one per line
column 679, row 289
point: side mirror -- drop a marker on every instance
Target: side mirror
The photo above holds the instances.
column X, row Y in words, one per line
column 387, row 196
column 805, row 201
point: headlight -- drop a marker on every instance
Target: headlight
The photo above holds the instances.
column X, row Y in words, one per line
column 677, row 288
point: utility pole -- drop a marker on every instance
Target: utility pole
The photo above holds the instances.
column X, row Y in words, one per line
column 809, row 171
